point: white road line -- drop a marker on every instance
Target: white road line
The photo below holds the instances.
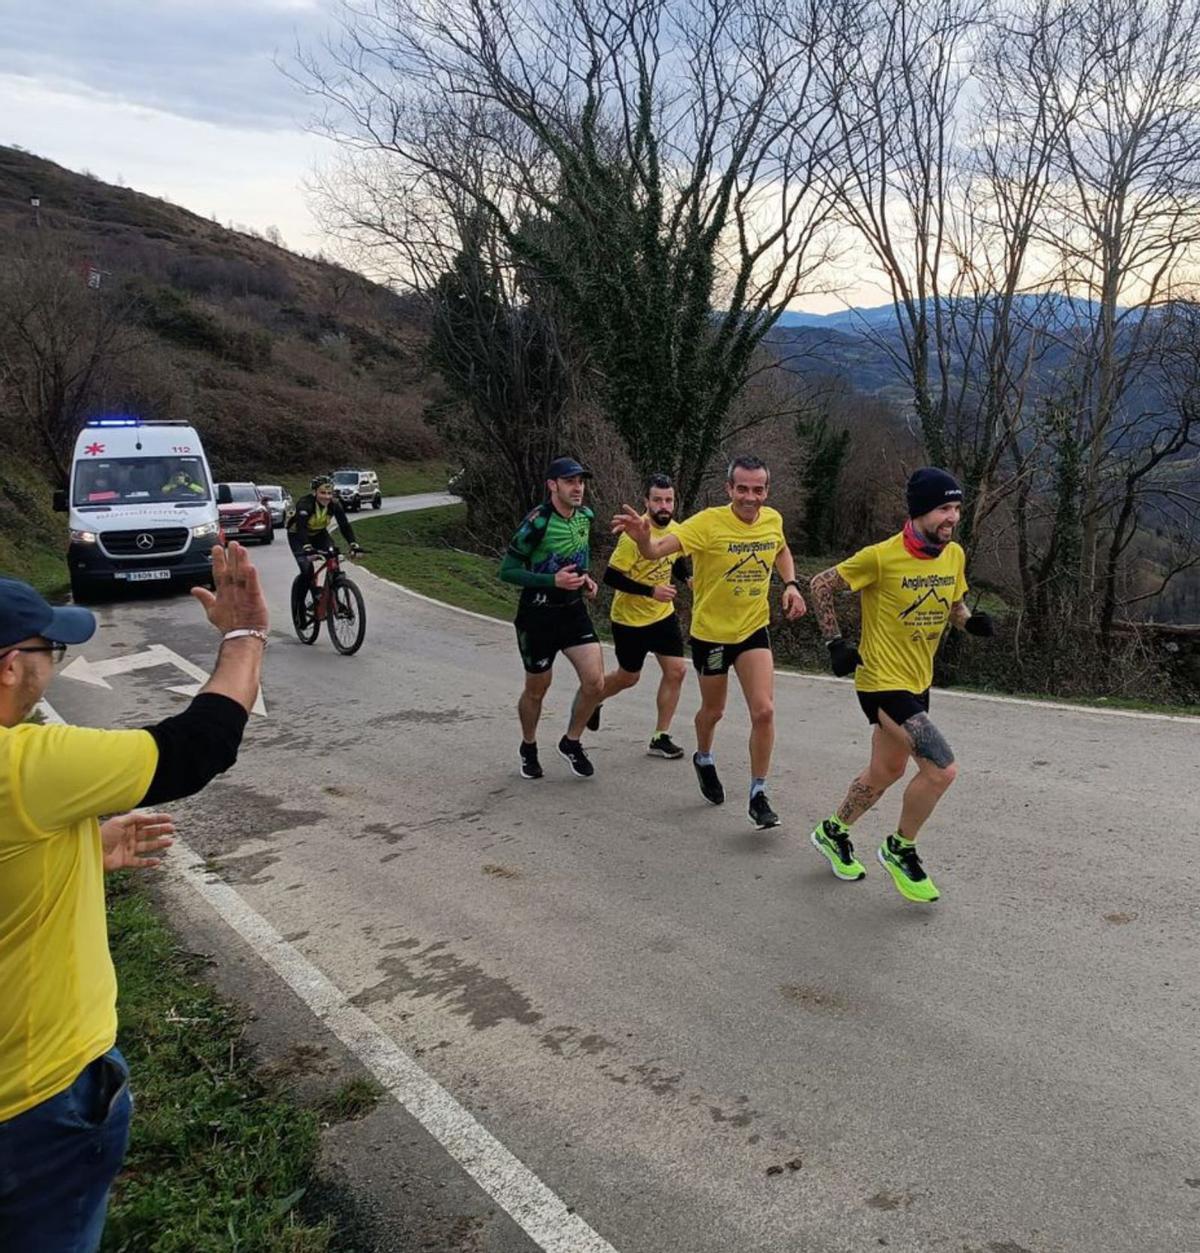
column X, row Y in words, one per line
column 535, row 1208
column 829, row 678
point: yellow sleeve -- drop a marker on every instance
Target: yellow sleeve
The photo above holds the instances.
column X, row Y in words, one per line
column 693, row 532
column 960, row 586
column 862, row 569
column 67, row 774
column 624, row 555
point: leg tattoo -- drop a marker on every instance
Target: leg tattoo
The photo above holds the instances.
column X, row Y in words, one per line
column 928, row 742
column 859, row 799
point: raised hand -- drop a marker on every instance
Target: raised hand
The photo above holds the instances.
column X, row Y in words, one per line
column 631, row 523
column 238, row 601
column 569, row 579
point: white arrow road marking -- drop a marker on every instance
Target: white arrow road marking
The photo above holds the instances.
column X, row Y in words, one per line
column 96, row 673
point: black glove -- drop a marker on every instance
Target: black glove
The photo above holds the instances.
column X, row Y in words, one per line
column 980, row 624
column 845, row 658
column 308, row 550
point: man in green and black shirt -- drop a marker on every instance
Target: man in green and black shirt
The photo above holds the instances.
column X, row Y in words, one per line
column 548, row 560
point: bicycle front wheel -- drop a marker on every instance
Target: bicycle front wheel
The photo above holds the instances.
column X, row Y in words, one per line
column 304, row 616
column 347, row 617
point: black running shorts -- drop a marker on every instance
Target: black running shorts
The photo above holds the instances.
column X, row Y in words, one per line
column 545, row 633
column 634, row 644
column 714, row 659
column 899, row 706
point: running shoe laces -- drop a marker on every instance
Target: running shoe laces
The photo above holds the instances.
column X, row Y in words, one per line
column 906, row 855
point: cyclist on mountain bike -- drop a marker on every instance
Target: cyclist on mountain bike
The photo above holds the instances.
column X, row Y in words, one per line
column 308, row 528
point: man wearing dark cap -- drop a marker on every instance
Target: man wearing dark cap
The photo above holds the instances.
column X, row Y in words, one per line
column 912, row 585
column 64, row 1086
column 548, row 560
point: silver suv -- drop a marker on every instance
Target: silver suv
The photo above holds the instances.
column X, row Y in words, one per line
column 356, row 488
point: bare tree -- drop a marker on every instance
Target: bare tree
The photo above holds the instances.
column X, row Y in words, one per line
column 662, row 166
column 59, row 338
column 1125, row 224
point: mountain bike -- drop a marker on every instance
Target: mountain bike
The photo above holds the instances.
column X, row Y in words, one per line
column 332, row 599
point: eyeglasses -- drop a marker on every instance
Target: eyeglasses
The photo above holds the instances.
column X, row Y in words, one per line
column 59, row 650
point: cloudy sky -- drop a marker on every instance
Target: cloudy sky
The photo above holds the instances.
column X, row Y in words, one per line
column 177, row 98
column 183, row 99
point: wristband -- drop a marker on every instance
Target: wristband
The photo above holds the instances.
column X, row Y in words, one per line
column 792, row 583
column 247, row 633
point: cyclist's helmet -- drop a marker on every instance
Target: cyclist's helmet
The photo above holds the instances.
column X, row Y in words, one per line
column 321, row 480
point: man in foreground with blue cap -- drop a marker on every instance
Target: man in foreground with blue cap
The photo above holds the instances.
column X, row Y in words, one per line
column 912, row 586
column 64, row 1086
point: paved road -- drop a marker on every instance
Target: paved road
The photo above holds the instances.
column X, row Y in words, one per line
column 656, row 1008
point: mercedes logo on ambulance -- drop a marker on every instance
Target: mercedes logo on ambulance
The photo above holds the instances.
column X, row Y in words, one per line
column 145, row 541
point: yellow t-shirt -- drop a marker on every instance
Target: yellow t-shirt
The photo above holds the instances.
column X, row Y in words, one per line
column 905, row 607
column 731, row 571
column 58, row 990
column 640, row 611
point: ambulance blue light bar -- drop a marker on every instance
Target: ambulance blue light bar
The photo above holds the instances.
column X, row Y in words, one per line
column 113, row 422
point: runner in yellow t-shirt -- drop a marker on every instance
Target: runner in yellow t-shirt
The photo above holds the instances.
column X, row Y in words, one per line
column 734, row 549
column 644, row 619
column 912, row 585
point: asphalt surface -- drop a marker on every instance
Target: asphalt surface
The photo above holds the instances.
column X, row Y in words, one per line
column 688, row 1029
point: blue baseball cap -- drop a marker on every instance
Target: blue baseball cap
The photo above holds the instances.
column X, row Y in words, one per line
column 566, row 468
column 25, row 613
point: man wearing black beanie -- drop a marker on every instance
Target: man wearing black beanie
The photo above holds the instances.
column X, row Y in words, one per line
column 912, row 585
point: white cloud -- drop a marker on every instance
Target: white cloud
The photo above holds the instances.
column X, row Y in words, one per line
column 211, row 60
column 239, row 173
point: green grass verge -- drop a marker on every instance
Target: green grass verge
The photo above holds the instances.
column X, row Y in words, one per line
column 33, row 538
column 219, row 1159
column 396, row 478
column 417, row 550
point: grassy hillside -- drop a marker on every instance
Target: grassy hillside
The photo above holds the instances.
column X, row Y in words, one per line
column 282, row 361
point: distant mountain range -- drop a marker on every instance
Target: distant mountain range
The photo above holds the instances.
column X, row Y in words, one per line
column 1051, row 307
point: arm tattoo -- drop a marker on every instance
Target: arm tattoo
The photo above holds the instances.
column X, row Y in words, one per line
column 959, row 613
column 928, row 741
column 859, row 799
column 823, row 586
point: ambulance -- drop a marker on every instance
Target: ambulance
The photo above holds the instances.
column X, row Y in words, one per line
column 142, row 507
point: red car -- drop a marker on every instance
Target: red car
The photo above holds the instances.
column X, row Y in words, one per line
column 245, row 515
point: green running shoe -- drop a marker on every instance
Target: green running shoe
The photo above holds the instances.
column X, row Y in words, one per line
column 835, row 844
column 903, row 864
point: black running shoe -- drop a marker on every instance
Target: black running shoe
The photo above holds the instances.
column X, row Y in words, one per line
column 761, row 813
column 710, row 785
column 531, row 768
column 664, row 746
column 577, row 759
column 593, row 723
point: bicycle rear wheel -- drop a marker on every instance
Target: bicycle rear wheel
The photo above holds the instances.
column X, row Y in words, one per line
column 347, row 617
column 304, row 617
